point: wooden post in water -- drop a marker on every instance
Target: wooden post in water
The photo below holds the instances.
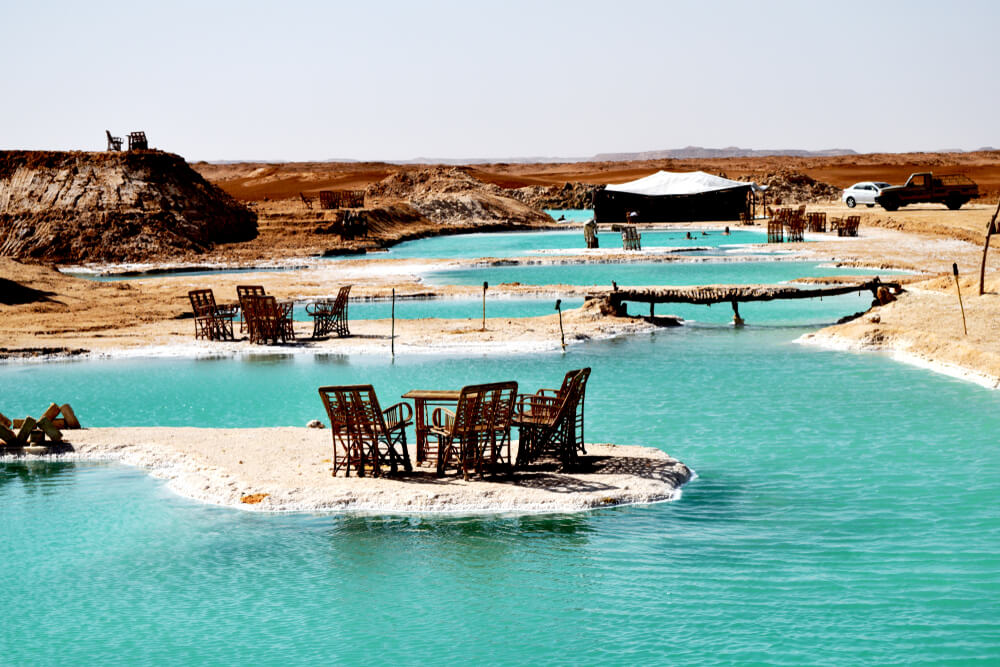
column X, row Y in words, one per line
column 737, row 320
column 986, row 247
column 954, row 269
column 562, row 335
column 485, row 287
column 392, row 335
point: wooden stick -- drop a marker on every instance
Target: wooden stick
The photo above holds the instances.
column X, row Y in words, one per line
column 562, row 335
column 50, row 412
column 71, row 421
column 8, row 436
column 954, row 269
column 50, row 430
column 392, row 335
column 485, row 286
column 986, row 247
column 27, row 426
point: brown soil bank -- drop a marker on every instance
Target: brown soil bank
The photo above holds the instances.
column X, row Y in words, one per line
column 112, row 207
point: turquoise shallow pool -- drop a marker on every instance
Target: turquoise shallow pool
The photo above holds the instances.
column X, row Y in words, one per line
column 645, row 273
column 844, row 513
column 571, row 215
column 519, row 244
column 415, row 309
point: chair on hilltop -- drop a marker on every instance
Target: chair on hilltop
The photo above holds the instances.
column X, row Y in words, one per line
column 114, row 143
column 476, row 436
column 211, row 321
column 330, row 316
column 267, row 321
column 552, row 425
column 365, row 435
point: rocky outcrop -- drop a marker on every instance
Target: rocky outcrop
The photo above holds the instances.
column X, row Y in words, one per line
column 791, row 187
column 112, row 207
column 451, row 196
column 568, row 195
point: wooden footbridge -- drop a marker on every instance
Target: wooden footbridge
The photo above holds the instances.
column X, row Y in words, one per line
column 614, row 301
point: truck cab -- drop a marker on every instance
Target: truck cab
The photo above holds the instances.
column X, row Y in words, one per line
column 951, row 190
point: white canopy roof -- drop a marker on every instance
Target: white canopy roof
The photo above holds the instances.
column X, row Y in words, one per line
column 679, row 183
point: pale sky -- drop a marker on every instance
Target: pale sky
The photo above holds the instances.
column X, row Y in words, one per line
column 398, row 80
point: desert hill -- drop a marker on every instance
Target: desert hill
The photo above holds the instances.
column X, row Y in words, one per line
column 258, row 181
column 112, row 207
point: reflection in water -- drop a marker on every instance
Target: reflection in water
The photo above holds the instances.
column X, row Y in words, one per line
column 36, row 476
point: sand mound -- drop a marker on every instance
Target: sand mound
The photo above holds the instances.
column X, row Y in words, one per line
column 120, row 207
column 452, row 196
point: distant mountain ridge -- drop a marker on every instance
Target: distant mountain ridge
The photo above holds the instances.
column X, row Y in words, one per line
column 698, row 152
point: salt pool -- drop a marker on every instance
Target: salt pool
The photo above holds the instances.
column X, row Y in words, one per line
column 521, row 244
column 645, row 273
column 843, row 514
column 571, row 215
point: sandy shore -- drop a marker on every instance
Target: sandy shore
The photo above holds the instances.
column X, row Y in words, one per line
column 288, row 469
column 151, row 316
column 924, row 327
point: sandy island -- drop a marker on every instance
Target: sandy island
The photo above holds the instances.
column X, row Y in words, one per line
column 288, row 469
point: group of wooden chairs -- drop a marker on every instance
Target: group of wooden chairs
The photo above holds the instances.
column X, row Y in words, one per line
column 788, row 224
column 263, row 318
column 474, row 437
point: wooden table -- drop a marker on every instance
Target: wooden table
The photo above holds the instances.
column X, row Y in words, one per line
column 422, row 400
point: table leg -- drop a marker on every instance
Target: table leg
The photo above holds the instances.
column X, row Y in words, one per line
column 419, row 408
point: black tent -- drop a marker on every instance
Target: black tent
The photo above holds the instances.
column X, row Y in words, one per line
column 674, row 197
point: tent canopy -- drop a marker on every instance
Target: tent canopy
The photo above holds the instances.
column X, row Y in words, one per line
column 679, row 183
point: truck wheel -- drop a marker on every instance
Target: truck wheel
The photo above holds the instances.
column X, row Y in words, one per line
column 850, row 202
column 890, row 204
column 954, row 203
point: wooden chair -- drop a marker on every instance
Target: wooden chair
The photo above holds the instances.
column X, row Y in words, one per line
column 137, row 141
column 242, row 292
column 330, row 316
column 775, row 230
column 558, row 394
column 552, row 425
column 631, row 239
column 476, row 436
column 795, row 227
column 114, row 143
column 211, row 321
column 817, row 221
column 849, row 226
column 365, row 435
column 268, row 321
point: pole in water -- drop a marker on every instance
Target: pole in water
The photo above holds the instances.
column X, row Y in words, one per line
column 737, row 320
column 392, row 335
column 954, row 270
column 562, row 335
column 486, row 286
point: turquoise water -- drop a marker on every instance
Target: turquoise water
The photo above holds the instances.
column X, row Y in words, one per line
column 843, row 514
column 811, row 312
column 644, row 273
column 519, row 244
column 415, row 309
column 571, row 215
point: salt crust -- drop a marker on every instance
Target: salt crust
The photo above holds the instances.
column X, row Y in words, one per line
column 292, row 466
